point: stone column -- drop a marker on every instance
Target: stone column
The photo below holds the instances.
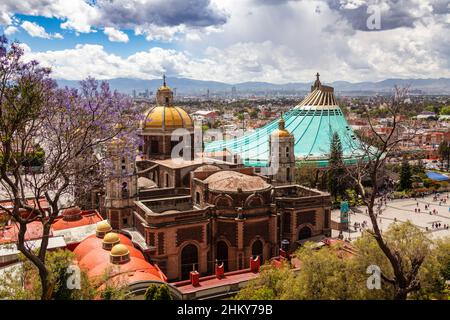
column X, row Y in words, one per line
column 240, row 240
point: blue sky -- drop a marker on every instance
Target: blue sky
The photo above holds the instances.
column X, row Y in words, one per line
column 71, row 38
column 276, row 41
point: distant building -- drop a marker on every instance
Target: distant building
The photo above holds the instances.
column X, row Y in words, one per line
column 206, row 116
column 233, row 92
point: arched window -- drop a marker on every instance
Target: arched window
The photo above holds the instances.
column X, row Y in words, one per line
column 166, row 179
column 197, row 197
column 287, row 152
column 288, row 174
column 304, row 233
column 222, row 254
column 223, row 202
column 257, row 250
column 189, row 260
column 125, row 192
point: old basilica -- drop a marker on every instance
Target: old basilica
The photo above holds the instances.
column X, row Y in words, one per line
column 192, row 213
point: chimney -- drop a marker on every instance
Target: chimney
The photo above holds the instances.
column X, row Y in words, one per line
column 254, row 264
column 195, row 278
column 220, row 271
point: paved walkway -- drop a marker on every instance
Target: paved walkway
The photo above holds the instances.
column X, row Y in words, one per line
column 402, row 210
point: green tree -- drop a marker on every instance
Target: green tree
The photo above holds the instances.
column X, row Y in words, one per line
column 270, row 285
column 445, row 111
column 340, row 271
column 336, row 172
column 307, row 174
column 444, row 152
column 405, row 176
column 158, row 292
column 12, row 284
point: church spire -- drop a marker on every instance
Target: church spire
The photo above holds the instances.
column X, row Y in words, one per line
column 317, row 83
column 164, row 80
column 281, row 123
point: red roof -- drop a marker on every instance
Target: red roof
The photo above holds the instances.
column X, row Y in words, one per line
column 30, row 201
column 93, row 243
column 98, row 256
column 96, row 261
column 86, row 217
column 10, row 233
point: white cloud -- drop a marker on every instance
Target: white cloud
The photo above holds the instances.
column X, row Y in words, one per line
column 35, row 30
column 83, row 16
column 10, row 30
column 153, row 32
column 115, row 35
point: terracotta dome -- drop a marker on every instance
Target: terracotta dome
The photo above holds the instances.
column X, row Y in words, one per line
column 232, row 181
column 93, row 242
column 72, row 214
column 127, row 270
column 207, row 167
column 98, row 256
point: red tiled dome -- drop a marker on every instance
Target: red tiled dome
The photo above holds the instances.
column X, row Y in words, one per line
column 93, row 243
column 98, row 256
column 74, row 217
column 232, row 181
column 133, row 266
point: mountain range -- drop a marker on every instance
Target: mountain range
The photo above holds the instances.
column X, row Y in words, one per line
column 186, row 86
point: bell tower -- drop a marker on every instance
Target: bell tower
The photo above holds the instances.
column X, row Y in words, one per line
column 164, row 95
column 282, row 157
column 121, row 185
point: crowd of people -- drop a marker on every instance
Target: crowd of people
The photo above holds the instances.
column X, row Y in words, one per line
column 426, row 208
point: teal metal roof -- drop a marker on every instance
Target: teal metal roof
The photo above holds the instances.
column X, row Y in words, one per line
column 312, row 123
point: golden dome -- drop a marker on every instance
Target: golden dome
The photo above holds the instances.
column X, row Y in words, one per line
column 103, row 226
column 164, row 88
column 119, row 250
column 111, row 237
column 167, row 117
column 281, row 133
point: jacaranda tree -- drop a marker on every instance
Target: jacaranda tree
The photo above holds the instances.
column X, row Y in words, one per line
column 68, row 124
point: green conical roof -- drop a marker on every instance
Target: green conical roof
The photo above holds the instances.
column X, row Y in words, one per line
column 312, row 122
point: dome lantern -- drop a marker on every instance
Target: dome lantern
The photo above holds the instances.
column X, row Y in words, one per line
column 165, row 115
column 119, row 254
column 110, row 240
column 103, row 227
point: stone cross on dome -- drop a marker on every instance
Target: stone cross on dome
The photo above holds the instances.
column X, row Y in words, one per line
column 317, row 83
column 164, row 80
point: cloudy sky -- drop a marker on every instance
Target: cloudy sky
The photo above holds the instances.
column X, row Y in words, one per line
column 233, row 41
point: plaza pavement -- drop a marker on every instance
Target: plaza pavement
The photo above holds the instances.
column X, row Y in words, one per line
column 403, row 210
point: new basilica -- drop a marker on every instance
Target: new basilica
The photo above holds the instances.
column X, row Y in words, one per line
column 205, row 208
